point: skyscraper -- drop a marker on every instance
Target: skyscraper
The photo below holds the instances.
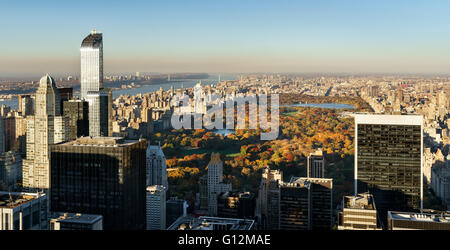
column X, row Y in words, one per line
column 99, row 113
column 100, row 99
column 101, row 175
column 268, row 202
column 156, row 207
column 156, row 166
column 306, row 204
column 316, row 164
column 45, row 128
column 388, row 160
column 215, row 183
column 91, row 63
column 77, row 111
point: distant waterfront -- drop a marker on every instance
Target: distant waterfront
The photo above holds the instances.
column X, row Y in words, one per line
column 187, row 83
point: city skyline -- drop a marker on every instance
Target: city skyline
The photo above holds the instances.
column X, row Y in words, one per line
column 229, row 37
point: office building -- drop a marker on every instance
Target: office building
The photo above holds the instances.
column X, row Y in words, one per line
column 10, row 171
column 215, row 183
column 316, row 164
column 388, row 161
column 211, row 223
column 358, row 213
column 236, row 205
column 45, row 128
column 76, row 221
column 101, row 175
column 306, row 204
column 430, row 220
column 156, row 167
column 175, row 208
column 156, row 207
column 268, row 201
column 23, row 211
column 77, row 112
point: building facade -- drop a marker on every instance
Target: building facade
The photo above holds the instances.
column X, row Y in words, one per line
column 268, row 201
column 358, row 213
column 306, row 204
column 77, row 112
column 45, row 128
column 175, row 208
column 100, row 105
column 156, row 207
column 91, row 63
column 388, row 160
column 101, row 175
column 316, row 164
column 430, row 220
column 156, row 167
column 215, row 183
column 76, row 221
column 23, row 211
column 440, row 183
column 236, row 205
column 100, row 99
column 10, row 171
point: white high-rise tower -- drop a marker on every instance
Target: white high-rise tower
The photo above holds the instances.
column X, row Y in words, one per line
column 156, row 167
column 45, row 128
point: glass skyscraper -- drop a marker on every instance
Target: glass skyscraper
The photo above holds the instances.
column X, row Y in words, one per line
column 388, row 160
column 91, row 63
column 100, row 99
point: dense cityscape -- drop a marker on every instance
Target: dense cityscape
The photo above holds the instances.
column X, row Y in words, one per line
column 353, row 152
column 210, row 124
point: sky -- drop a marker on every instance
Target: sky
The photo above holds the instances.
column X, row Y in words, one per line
column 224, row 36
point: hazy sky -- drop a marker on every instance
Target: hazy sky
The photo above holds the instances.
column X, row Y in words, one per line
column 228, row 36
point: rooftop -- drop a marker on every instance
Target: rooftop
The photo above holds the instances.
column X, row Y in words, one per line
column 100, row 142
column 306, row 182
column 388, row 119
column 15, row 199
column 360, row 201
column 155, row 188
column 318, row 152
column 93, row 40
column 76, row 218
column 208, row 223
column 436, row 217
column 247, row 195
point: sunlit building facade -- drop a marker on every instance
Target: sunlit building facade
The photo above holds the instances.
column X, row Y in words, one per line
column 91, row 63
